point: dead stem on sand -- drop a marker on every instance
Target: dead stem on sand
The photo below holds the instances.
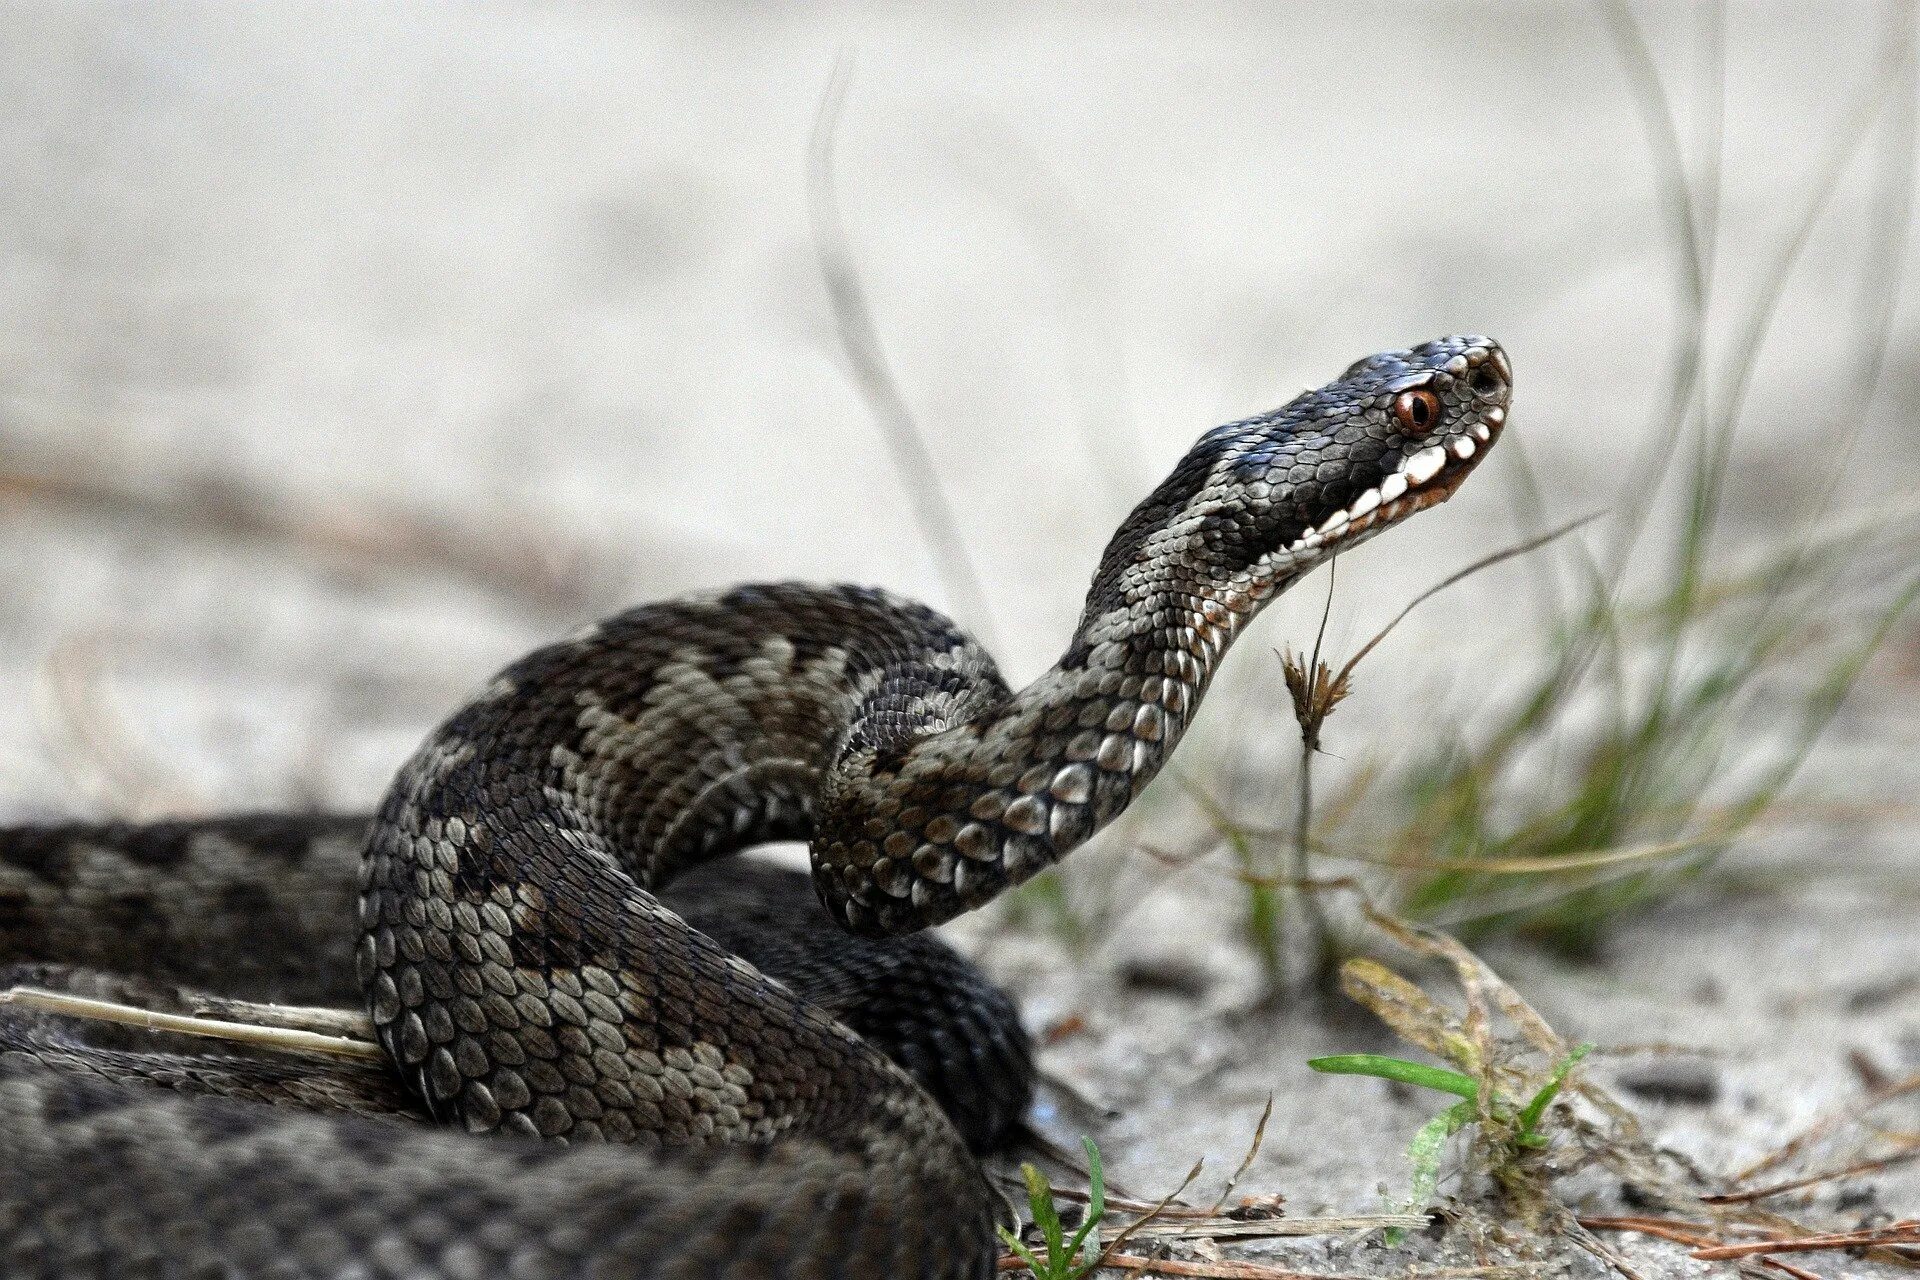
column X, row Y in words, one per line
column 1315, row 689
column 1134, row 1264
column 1897, row 1233
column 1827, row 1125
column 1246, row 1161
column 1169, row 1221
column 537, row 569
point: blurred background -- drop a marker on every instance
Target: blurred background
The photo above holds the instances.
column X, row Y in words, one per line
column 349, row 351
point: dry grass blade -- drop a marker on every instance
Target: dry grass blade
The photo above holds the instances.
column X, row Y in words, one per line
column 1524, row 1173
column 1312, row 686
column 1814, row 1179
column 1478, row 980
column 1721, row 825
column 1649, row 94
column 1315, row 690
column 1409, row 1012
column 1827, row 1124
column 1898, row 1233
column 1534, row 864
column 282, row 1036
column 1178, row 1221
column 1692, row 1234
column 1253, row 1150
column 1594, row 1245
column 350, row 1024
column 1769, row 1265
column 1614, row 777
column 1760, row 319
column 1134, row 1263
column 860, row 340
column 1174, row 1227
column 538, row 570
column 1691, row 232
column 1623, row 1149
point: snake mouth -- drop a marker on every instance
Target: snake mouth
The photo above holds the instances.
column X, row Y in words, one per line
column 1423, row 478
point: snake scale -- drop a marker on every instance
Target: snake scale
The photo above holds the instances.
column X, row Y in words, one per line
column 808, row 1087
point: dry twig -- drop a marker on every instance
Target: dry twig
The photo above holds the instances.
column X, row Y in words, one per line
column 540, row 569
column 332, row 1032
column 1130, row 1262
column 1253, row 1150
column 1906, row 1232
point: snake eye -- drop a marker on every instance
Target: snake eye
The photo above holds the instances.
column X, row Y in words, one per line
column 1417, row 410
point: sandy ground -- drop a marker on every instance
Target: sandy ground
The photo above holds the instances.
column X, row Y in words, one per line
column 348, row 351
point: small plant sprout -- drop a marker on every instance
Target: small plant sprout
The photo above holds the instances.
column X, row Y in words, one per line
column 1063, row 1255
column 1520, row 1122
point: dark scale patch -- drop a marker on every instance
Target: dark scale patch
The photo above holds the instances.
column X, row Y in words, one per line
column 232, row 1124
column 46, row 853
column 17, row 915
column 79, row 1099
column 248, row 900
column 160, row 847
column 557, row 945
column 1127, row 546
column 1237, row 534
column 889, row 720
column 287, row 839
column 128, row 912
column 56, row 853
column 371, row 1144
column 474, row 877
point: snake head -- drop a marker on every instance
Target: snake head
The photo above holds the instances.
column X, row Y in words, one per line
column 1257, row 503
column 1397, row 432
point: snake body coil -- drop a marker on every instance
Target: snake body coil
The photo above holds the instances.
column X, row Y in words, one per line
column 525, row 974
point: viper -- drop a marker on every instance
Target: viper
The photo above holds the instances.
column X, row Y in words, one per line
column 610, row 1052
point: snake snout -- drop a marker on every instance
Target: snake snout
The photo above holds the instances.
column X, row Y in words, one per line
column 1492, row 380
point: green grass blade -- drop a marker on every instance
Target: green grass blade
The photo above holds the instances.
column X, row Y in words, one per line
column 1034, row 1266
column 1374, row 1064
column 1045, row 1216
column 1538, row 1104
column 1424, row 1154
column 1096, row 1208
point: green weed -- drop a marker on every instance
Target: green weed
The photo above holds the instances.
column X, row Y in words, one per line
column 1516, row 1126
column 1066, row 1258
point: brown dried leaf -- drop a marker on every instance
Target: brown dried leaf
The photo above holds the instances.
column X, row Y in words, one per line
column 1412, row 1015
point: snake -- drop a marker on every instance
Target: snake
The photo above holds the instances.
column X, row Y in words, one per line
column 609, row 1049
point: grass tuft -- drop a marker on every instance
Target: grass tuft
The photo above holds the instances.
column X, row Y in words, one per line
column 1674, row 707
column 1674, row 758
column 1517, row 1125
column 1064, row 1256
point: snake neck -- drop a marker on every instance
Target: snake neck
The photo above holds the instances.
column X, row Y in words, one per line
column 912, row 832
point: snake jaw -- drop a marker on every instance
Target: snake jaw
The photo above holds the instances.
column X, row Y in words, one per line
column 1470, row 380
